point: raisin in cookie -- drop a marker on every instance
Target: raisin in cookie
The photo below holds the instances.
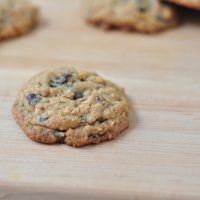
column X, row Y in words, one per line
column 73, row 107
column 195, row 4
column 16, row 17
column 142, row 15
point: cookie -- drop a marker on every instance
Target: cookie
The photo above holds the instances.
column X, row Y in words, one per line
column 141, row 15
column 73, row 107
column 16, row 17
column 195, row 4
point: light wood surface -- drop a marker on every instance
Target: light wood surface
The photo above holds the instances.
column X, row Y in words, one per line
column 158, row 157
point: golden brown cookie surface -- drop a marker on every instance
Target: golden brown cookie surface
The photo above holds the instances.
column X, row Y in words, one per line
column 66, row 105
column 16, row 17
column 141, row 15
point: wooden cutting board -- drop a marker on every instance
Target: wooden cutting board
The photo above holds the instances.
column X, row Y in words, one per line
column 158, row 157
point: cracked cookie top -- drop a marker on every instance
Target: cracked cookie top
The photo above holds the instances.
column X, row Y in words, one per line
column 64, row 98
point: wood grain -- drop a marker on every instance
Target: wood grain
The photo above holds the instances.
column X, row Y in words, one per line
column 157, row 158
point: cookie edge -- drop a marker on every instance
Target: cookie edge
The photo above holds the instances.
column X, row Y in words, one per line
column 47, row 136
column 130, row 28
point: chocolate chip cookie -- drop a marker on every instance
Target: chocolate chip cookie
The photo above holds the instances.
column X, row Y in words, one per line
column 73, row 107
column 16, row 17
column 195, row 4
column 142, row 15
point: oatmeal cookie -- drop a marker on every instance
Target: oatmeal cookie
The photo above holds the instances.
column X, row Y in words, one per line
column 141, row 15
column 16, row 17
column 72, row 107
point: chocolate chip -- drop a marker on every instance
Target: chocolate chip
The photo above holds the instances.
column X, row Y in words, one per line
column 60, row 80
column 101, row 120
column 33, row 99
column 77, row 95
column 143, row 5
column 142, row 9
column 94, row 136
column 99, row 98
column 60, row 135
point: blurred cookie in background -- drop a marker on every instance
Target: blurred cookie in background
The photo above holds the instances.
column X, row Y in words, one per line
column 141, row 15
column 195, row 4
column 17, row 17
